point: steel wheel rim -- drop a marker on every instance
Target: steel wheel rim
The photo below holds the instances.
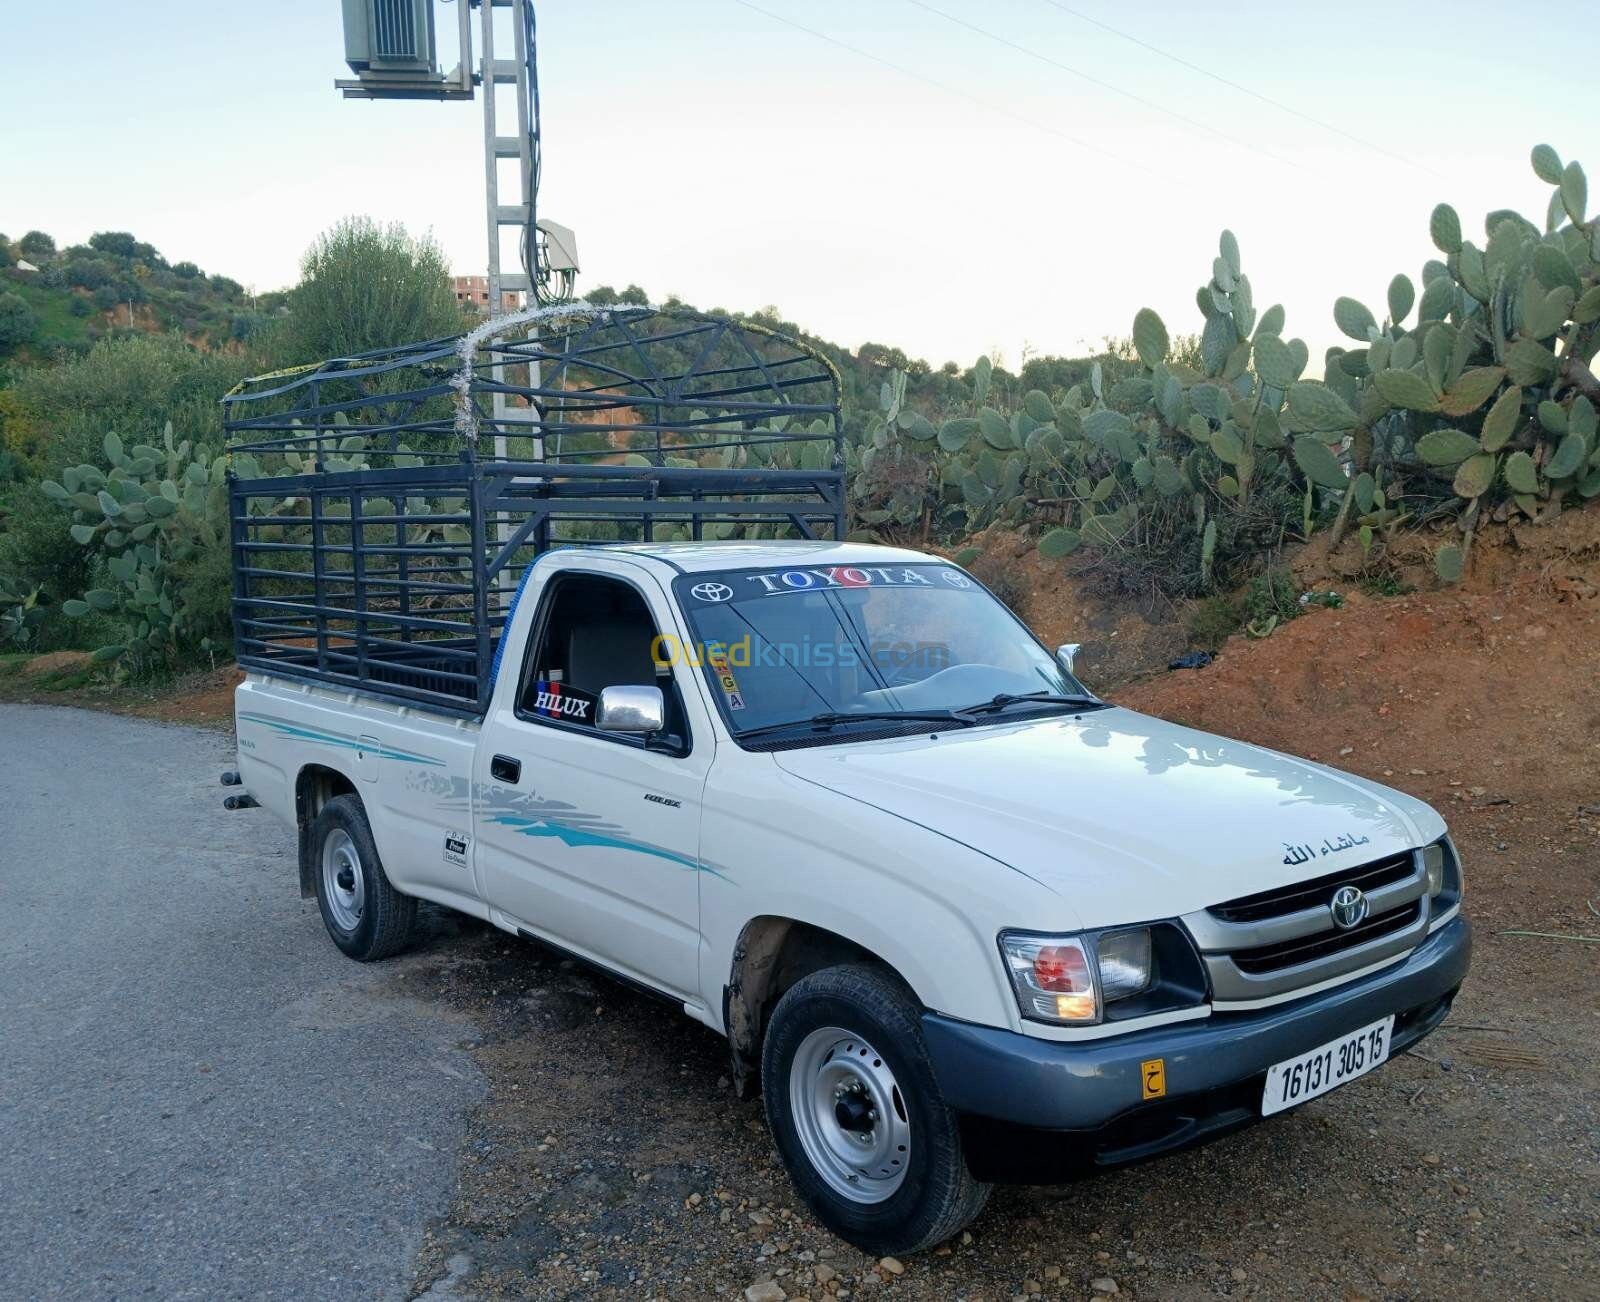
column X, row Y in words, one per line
column 344, row 882
column 850, row 1115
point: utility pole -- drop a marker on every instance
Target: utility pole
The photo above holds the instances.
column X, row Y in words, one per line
column 389, row 45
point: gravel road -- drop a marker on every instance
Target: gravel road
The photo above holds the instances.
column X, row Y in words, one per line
column 199, row 1096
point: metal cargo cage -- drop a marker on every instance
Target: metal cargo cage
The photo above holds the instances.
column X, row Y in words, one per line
column 383, row 507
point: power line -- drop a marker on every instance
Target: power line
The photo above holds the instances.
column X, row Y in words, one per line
column 1243, row 90
column 1106, row 85
column 951, row 90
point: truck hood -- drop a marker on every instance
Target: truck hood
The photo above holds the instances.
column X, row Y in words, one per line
column 1126, row 817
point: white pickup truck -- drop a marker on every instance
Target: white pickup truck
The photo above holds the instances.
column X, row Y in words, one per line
column 960, row 920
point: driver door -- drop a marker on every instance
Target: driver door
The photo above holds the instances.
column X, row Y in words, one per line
column 588, row 839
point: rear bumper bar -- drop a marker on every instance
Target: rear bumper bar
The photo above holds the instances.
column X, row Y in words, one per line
column 1043, row 1110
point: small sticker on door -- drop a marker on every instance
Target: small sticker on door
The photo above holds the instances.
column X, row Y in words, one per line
column 455, row 848
column 1154, row 1076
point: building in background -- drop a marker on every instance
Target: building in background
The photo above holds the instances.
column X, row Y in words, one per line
column 473, row 292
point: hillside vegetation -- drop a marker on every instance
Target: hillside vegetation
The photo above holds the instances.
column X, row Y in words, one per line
column 84, row 292
column 1171, row 468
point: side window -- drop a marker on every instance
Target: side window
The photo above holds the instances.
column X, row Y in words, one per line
column 593, row 633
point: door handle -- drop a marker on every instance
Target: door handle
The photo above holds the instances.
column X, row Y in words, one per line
column 502, row 768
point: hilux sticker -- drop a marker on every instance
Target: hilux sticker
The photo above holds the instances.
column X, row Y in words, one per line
column 559, row 701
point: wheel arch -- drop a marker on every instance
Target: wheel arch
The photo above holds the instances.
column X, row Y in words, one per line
column 314, row 786
column 771, row 954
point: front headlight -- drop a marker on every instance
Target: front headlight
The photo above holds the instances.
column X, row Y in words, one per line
column 1051, row 977
column 1433, row 861
column 1124, row 963
column 1082, row 979
column 1444, row 873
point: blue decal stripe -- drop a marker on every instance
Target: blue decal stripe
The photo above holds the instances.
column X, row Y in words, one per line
column 335, row 739
column 576, row 836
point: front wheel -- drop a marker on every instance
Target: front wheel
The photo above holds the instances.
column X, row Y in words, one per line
column 857, row 1114
column 367, row 918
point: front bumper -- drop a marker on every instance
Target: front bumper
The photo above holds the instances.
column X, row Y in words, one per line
column 1039, row 1111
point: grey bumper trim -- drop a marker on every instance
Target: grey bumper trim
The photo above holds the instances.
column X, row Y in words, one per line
column 1085, row 1084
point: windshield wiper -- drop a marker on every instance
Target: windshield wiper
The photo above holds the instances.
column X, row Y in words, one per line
column 830, row 719
column 998, row 703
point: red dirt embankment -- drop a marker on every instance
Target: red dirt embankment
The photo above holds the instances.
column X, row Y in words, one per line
column 1483, row 704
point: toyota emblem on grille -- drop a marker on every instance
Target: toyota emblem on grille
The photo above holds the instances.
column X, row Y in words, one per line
column 1349, row 907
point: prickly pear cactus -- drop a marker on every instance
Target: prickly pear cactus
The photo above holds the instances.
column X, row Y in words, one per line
column 1484, row 406
column 20, row 614
column 152, row 512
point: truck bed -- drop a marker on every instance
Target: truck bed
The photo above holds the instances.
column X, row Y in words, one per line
column 384, row 507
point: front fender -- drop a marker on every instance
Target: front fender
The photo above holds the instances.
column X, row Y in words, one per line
column 927, row 906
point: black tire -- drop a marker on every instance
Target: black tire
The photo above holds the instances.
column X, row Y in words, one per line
column 937, row 1194
column 384, row 922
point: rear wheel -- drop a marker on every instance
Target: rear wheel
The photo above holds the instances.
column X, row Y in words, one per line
column 367, row 918
column 858, row 1117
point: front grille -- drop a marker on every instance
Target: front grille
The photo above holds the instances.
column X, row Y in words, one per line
column 1291, row 953
column 1318, row 893
column 1276, row 942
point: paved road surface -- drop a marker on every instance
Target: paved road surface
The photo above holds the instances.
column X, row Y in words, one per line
column 199, row 1096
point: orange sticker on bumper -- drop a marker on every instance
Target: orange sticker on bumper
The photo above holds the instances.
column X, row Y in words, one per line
column 1154, row 1076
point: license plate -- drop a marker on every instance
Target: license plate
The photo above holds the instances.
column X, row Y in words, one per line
column 1298, row 1079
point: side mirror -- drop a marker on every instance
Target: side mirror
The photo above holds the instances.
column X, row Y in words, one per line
column 1067, row 655
column 631, row 709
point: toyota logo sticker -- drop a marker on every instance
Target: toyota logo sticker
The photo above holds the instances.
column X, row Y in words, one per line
column 712, row 591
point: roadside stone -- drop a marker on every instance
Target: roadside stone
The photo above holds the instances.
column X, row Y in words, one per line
column 765, row 1290
column 1238, row 1275
column 824, row 1272
column 1104, row 1284
column 891, row 1266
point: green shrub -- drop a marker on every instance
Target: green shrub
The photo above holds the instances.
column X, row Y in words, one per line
column 1212, row 621
column 38, row 554
column 17, row 322
column 1272, row 594
column 364, row 286
column 128, row 383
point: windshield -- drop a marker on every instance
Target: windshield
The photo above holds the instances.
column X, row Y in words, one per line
column 783, row 646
